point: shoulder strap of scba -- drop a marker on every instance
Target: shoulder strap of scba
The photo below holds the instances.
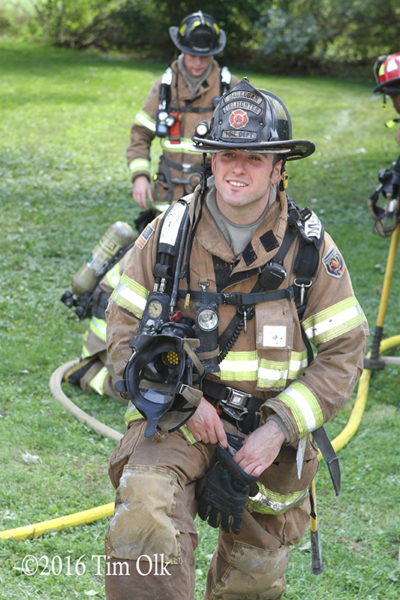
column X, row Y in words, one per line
column 225, row 78
column 171, row 245
column 306, row 264
column 311, row 234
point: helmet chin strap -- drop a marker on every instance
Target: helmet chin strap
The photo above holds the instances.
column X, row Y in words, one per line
column 283, row 183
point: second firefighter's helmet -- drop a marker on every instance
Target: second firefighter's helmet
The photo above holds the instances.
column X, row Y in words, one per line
column 199, row 35
column 387, row 74
column 253, row 120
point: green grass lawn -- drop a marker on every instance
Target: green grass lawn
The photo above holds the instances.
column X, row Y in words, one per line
column 64, row 128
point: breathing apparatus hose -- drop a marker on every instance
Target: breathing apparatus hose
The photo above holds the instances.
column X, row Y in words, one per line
column 107, row 510
column 57, row 392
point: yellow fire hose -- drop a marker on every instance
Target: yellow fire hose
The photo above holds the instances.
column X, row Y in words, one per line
column 373, row 361
column 107, row 510
column 37, row 529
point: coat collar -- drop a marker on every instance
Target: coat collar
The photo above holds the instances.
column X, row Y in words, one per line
column 183, row 89
column 209, row 236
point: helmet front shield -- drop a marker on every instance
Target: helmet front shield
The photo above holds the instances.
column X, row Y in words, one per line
column 252, row 120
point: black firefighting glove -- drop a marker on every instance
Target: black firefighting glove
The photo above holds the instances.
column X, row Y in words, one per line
column 223, row 492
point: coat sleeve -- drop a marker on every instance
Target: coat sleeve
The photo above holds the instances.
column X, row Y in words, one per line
column 128, row 300
column 142, row 135
column 337, row 329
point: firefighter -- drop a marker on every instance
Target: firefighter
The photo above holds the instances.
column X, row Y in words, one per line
column 231, row 442
column 387, row 77
column 183, row 96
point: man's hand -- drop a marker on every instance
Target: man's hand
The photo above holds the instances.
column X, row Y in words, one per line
column 141, row 191
column 206, row 426
column 260, row 449
column 223, row 492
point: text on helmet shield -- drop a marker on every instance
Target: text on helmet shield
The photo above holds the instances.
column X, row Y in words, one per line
column 240, row 94
column 247, row 135
column 241, row 104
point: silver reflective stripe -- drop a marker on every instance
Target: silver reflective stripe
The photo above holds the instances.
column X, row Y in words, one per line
column 98, row 327
column 85, row 352
column 139, row 164
column 334, row 321
column 304, row 407
column 184, row 145
column 97, row 383
column 271, row 503
column 130, row 295
column 113, row 276
column 145, row 120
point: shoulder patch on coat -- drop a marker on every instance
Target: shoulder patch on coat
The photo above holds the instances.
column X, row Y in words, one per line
column 144, row 237
column 334, row 263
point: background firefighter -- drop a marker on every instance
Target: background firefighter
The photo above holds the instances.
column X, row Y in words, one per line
column 387, row 76
column 182, row 97
column 245, row 236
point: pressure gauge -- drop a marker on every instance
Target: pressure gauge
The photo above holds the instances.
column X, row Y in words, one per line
column 154, row 309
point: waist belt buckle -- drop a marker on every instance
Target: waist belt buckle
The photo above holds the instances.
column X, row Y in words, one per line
column 235, row 403
column 232, row 298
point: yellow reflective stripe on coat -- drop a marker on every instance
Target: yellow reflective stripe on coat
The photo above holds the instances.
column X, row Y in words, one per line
column 184, row 145
column 304, row 407
column 85, row 352
column 268, row 502
column 334, row 321
column 248, row 366
column 139, row 164
column 113, row 276
column 130, row 295
column 143, row 119
column 98, row 327
column 97, row 383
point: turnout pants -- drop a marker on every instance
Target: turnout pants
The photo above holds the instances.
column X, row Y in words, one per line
column 152, row 537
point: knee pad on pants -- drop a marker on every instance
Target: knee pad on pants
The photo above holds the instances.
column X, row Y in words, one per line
column 142, row 523
column 253, row 573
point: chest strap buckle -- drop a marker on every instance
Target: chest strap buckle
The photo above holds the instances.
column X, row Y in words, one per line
column 235, row 403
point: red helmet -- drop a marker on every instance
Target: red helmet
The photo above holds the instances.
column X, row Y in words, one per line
column 387, row 74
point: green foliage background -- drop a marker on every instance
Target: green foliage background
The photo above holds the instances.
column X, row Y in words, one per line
column 64, row 127
column 279, row 35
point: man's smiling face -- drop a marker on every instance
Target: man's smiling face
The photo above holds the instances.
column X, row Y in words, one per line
column 243, row 181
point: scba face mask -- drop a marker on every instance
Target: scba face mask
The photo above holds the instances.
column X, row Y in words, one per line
column 160, row 375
